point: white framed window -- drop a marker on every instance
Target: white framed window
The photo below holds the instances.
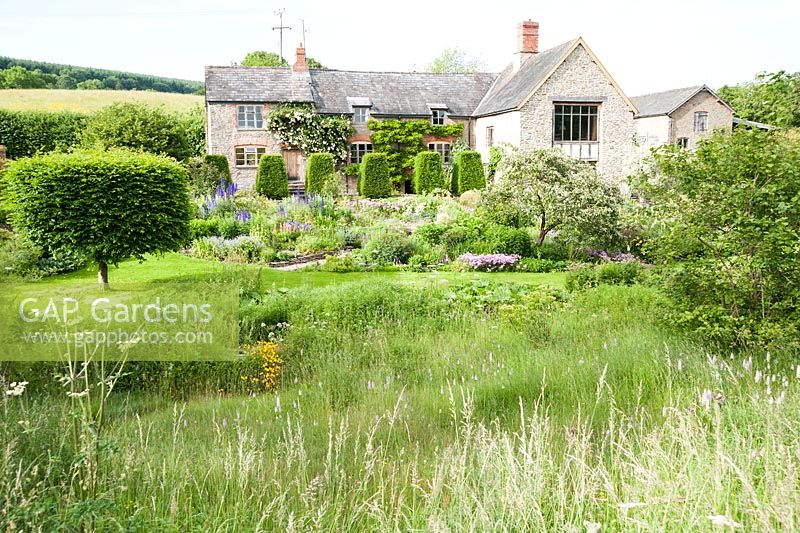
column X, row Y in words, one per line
column 250, row 117
column 575, row 123
column 700, row 121
column 358, row 151
column 437, row 117
column 683, row 142
column 248, row 156
column 489, row 136
column 443, row 149
column 360, row 115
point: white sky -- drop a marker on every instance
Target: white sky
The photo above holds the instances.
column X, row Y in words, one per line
column 646, row 46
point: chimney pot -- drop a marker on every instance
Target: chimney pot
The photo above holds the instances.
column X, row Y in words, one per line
column 300, row 64
column 528, row 37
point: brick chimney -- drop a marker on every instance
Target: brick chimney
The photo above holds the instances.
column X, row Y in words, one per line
column 527, row 42
column 300, row 64
column 528, row 37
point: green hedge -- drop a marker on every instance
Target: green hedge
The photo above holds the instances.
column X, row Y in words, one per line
column 271, row 178
column 102, row 206
column 428, row 172
column 220, row 162
column 318, row 168
column 26, row 133
column 375, row 182
column 467, row 172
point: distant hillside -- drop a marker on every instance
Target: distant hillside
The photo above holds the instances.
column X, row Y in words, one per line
column 41, row 75
column 89, row 101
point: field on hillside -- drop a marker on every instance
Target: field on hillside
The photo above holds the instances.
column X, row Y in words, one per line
column 90, row 100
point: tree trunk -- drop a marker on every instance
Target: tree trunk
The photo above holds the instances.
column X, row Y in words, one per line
column 102, row 276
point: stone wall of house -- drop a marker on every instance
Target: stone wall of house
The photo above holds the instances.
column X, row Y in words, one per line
column 223, row 136
column 719, row 117
column 580, row 77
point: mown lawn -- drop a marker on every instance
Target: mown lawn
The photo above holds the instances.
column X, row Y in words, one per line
column 90, row 101
column 178, row 266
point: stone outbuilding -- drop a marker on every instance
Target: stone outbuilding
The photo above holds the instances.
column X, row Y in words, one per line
column 682, row 116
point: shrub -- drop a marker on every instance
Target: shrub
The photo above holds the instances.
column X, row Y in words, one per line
column 203, row 227
column 608, row 273
column 318, row 168
column 470, row 199
column 375, row 182
column 728, row 213
column 505, row 240
column 467, row 172
column 389, row 247
column 26, row 133
column 230, row 228
column 105, row 206
column 139, row 127
column 428, row 172
column 220, row 162
column 271, row 178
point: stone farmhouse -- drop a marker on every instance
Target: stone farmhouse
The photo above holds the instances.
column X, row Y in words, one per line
column 560, row 98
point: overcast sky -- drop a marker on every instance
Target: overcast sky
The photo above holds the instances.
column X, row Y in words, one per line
column 646, row 46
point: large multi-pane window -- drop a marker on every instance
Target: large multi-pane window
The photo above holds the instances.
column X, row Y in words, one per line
column 700, row 121
column 248, row 156
column 437, row 117
column 575, row 123
column 442, row 148
column 250, row 117
column 360, row 115
column 358, row 151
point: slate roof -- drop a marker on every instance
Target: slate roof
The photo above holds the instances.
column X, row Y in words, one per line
column 512, row 88
column 335, row 91
column 665, row 102
column 399, row 93
column 256, row 84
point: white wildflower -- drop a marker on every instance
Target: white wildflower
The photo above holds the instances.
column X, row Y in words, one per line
column 758, row 375
column 748, row 363
column 724, row 521
column 17, row 388
column 705, row 399
column 680, row 365
column 592, row 527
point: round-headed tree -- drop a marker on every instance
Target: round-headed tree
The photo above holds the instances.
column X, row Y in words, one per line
column 103, row 206
column 375, row 181
column 551, row 190
column 428, row 172
column 319, row 167
column 271, row 178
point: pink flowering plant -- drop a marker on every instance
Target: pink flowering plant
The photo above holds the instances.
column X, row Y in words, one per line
column 489, row 262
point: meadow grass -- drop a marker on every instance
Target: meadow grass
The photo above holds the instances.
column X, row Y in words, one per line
column 89, row 101
column 399, row 411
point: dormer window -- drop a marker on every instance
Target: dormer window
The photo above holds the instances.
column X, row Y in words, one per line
column 437, row 117
column 360, row 115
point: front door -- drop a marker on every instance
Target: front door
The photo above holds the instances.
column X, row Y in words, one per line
column 294, row 164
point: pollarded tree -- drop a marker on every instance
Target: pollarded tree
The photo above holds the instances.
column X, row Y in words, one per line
column 102, row 206
column 548, row 189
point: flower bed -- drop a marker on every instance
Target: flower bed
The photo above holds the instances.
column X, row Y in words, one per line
column 489, row 262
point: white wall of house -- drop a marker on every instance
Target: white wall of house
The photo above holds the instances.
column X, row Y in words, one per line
column 506, row 130
column 652, row 131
